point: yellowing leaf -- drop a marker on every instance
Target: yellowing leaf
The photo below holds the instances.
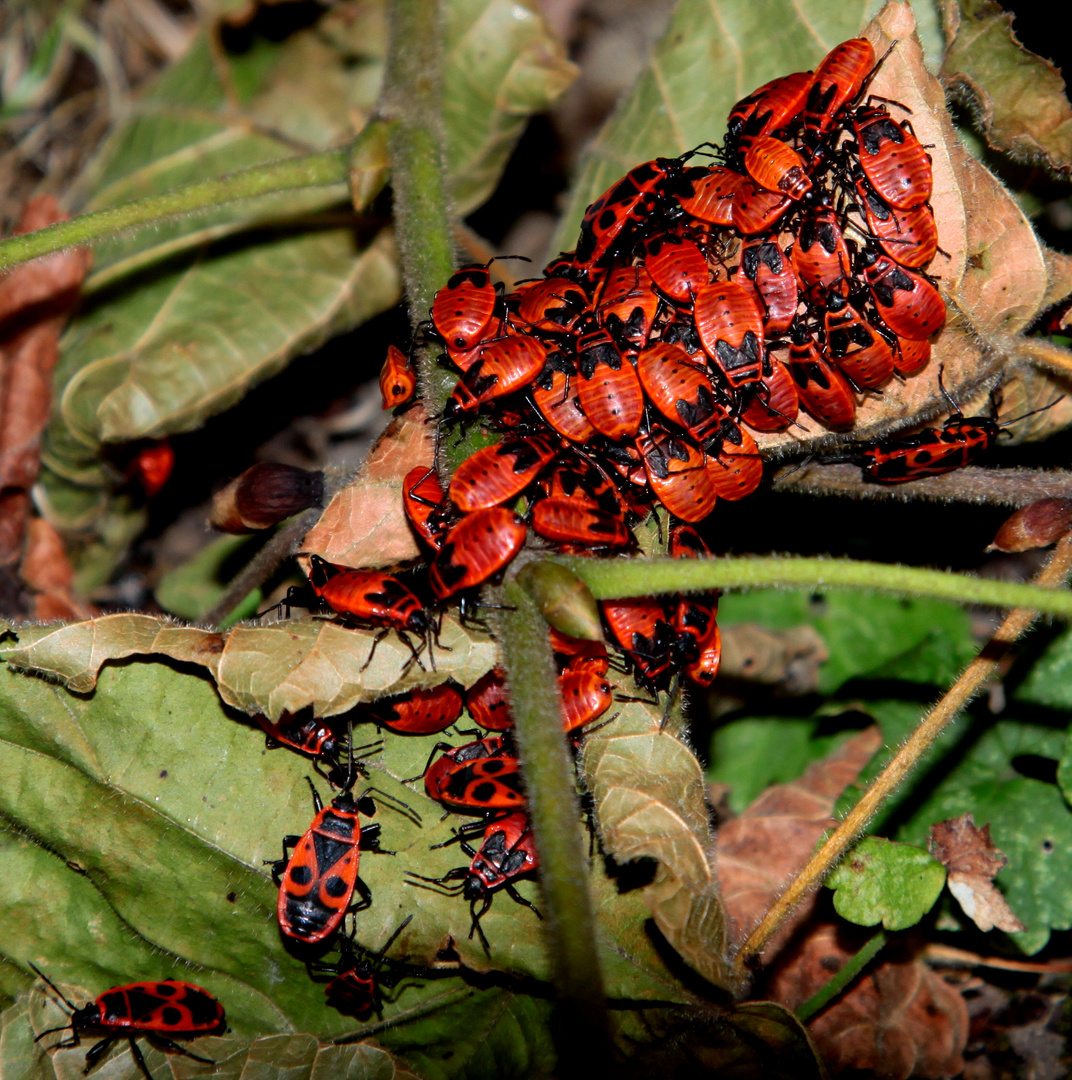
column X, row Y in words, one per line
column 648, row 791
column 1019, row 98
column 282, row 667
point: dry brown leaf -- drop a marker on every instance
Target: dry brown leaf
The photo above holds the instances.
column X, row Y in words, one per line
column 364, row 524
column 1017, row 96
column 1031, row 404
column 25, row 399
column 896, row 1021
column 648, row 793
column 74, row 654
column 46, row 571
column 284, row 666
column 14, row 510
column 972, row 861
column 1059, row 272
column 760, row 851
column 786, row 659
column 1030, row 389
column 35, row 299
column 40, row 281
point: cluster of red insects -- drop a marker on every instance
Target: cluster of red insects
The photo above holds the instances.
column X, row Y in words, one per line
column 702, row 302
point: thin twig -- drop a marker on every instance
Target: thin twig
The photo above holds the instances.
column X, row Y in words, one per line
column 854, row 966
column 993, row 487
column 936, row 953
column 1043, row 353
column 1052, row 576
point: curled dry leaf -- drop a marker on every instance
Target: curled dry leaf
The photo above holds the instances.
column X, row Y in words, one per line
column 364, row 524
column 972, row 861
column 1035, row 404
column 46, row 570
column 898, row 1020
column 1029, row 404
column 648, row 793
column 1034, row 526
column 759, row 852
column 1017, row 96
column 35, row 299
column 1059, row 272
column 283, row 667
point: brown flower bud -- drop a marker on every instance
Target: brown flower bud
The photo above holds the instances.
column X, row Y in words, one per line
column 265, row 494
column 1035, row 526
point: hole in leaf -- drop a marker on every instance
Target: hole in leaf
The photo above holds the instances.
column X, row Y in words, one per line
column 1036, row 767
column 631, row 875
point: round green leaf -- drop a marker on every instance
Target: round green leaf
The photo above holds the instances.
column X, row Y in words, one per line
column 880, row 881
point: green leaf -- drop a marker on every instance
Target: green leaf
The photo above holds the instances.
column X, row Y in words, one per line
column 632, row 968
column 756, row 1040
column 136, row 855
column 976, row 769
column 193, row 588
column 677, row 103
column 879, row 881
column 495, row 1034
column 186, row 127
column 194, row 763
column 501, row 65
column 158, row 353
column 867, row 635
column 1049, row 681
column 776, row 609
column 1030, row 822
column 189, row 342
column 750, row 755
column 1064, row 768
column 273, row 1057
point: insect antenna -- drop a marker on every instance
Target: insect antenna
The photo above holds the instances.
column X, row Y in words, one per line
column 62, row 996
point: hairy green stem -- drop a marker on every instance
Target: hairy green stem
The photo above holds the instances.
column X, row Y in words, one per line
column 310, row 170
column 609, row 580
column 411, row 101
column 582, row 1028
column 853, row 966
